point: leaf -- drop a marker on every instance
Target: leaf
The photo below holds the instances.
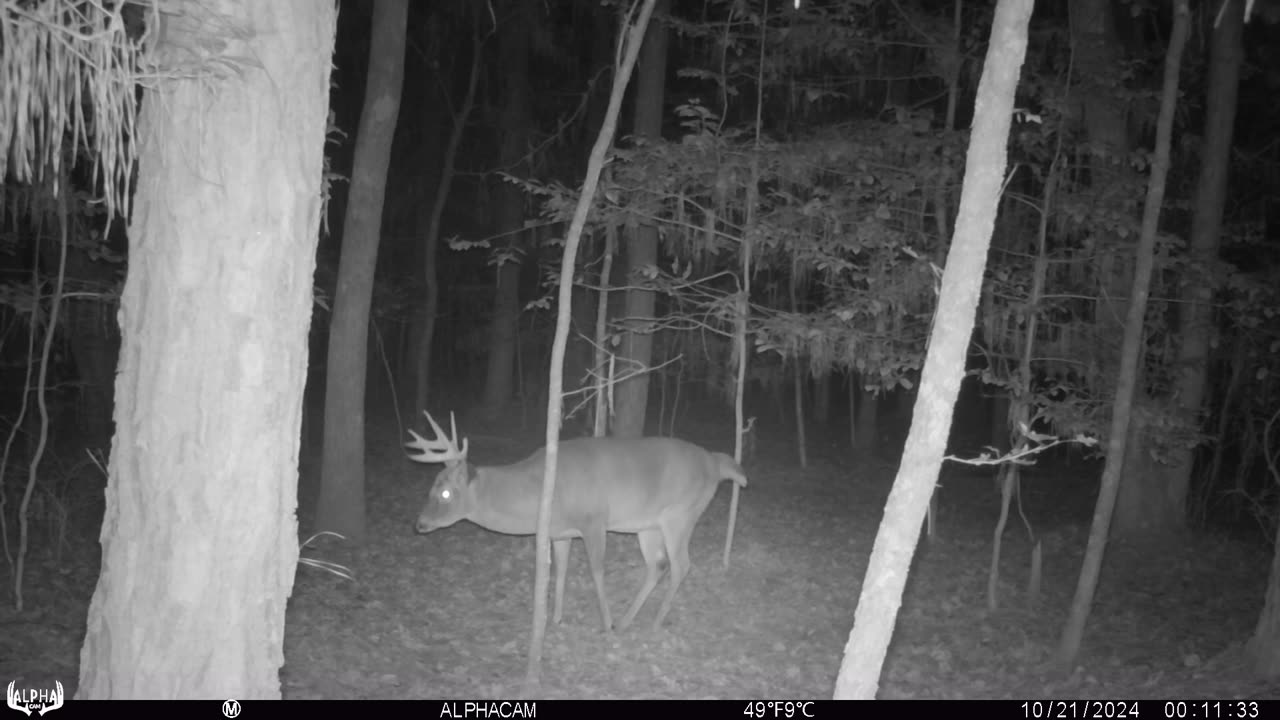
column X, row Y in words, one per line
column 457, row 243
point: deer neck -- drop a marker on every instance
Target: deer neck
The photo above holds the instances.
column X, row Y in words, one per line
column 504, row 499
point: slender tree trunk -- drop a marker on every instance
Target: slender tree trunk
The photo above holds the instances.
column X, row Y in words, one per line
column 602, row 377
column 199, row 539
column 93, row 338
column 944, row 366
column 797, row 378
column 797, row 397
column 632, row 396
column 999, row 417
column 430, row 274
column 499, row 386
column 341, row 505
column 1126, row 383
column 955, row 67
column 508, row 201
column 555, row 378
column 1198, row 288
column 822, row 398
column 866, row 433
column 852, row 393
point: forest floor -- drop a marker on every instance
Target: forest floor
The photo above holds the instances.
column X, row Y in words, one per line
column 447, row 615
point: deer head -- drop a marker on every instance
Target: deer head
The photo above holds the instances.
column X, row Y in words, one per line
column 449, row 498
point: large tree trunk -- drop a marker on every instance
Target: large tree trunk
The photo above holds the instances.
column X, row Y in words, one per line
column 1139, row 508
column 944, row 366
column 1198, row 288
column 636, row 353
column 340, row 508
column 1130, row 351
column 199, row 539
column 508, row 200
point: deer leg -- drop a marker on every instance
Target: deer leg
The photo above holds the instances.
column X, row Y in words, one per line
column 561, row 549
column 677, row 538
column 651, row 546
column 677, row 530
column 594, row 538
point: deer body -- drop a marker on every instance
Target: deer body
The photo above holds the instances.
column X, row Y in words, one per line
column 655, row 488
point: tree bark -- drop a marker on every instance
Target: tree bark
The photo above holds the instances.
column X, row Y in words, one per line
column 632, row 396
column 1225, row 55
column 340, row 507
column 944, row 365
column 508, row 200
column 199, row 538
column 1130, row 351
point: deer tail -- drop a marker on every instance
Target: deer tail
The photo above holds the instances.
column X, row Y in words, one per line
column 728, row 469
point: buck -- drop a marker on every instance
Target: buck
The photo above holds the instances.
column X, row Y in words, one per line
column 655, row 488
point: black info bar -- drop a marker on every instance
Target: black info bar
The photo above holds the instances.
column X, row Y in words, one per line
column 666, row 709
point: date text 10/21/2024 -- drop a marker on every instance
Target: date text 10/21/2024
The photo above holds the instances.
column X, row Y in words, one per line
column 1166, row 709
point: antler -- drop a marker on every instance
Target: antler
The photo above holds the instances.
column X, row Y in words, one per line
column 440, row 450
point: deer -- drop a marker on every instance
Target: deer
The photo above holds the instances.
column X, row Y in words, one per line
column 655, row 488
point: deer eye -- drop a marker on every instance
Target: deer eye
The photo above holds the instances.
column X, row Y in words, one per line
column 446, row 495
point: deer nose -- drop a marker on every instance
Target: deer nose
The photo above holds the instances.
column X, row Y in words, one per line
column 422, row 526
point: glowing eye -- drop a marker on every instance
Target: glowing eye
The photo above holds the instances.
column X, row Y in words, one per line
column 446, row 495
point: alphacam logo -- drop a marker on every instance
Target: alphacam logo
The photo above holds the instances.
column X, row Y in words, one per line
column 41, row 701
